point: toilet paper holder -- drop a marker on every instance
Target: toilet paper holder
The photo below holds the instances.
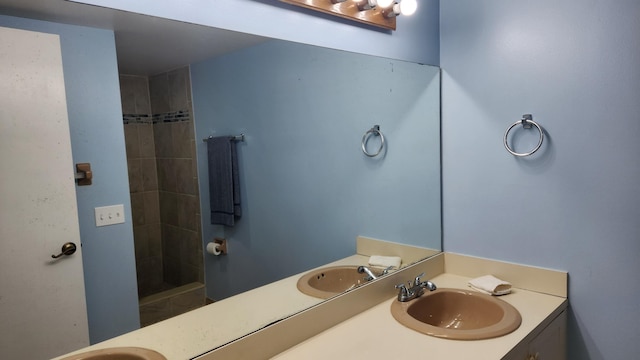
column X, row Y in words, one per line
column 222, row 245
column 218, row 247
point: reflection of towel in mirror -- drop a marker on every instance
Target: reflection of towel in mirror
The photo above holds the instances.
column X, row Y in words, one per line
column 224, row 183
column 385, row 261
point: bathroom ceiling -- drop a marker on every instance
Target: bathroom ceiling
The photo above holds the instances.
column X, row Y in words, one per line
column 145, row 45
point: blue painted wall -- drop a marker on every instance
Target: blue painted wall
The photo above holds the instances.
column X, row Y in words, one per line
column 575, row 206
column 307, row 188
column 416, row 38
column 97, row 137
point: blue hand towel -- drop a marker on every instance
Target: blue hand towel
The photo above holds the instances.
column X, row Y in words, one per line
column 224, row 181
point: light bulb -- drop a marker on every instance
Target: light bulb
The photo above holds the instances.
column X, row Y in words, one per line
column 385, row 3
column 391, row 12
column 408, row 7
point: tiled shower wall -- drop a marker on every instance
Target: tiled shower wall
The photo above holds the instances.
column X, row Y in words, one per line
column 143, row 183
column 159, row 135
column 177, row 176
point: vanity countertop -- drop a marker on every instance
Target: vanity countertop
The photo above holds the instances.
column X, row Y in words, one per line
column 369, row 331
column 375, row 334
column 198, row 331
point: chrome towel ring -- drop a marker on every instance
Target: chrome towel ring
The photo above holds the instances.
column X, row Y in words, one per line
column 375, row 130
column 526, row 122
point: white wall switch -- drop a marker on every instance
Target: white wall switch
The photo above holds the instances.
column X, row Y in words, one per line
column 109, row 215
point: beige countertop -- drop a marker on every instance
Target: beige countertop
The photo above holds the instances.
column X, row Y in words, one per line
column 355, row 325
column 200, row 330
column 375, row 334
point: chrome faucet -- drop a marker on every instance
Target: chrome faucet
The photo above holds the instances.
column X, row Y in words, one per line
column 415, row 289
column 370, row 275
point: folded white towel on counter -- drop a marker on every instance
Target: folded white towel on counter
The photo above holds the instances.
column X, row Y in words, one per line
column 491, row 285
column 385, row 261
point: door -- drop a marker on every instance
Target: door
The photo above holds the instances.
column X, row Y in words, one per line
column 42, row 307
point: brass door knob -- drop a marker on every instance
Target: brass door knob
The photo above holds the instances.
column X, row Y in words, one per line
column 67, row 249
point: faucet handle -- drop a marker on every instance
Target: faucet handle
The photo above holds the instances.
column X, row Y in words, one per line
column 403, row 294
column 416, row 281
column 403, row 288
column 386, row 271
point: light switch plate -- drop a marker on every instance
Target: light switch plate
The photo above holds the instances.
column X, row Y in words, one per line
column 109, row 215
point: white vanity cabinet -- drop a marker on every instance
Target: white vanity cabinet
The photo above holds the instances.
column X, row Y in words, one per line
column 548, row 344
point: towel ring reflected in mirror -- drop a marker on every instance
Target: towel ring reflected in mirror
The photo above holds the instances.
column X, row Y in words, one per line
column 527, row 123
column 375, row 131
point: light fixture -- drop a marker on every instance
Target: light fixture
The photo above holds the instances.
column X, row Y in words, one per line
column 364, row 5
column 381, row 13
column 405, row 7
column 385, row 3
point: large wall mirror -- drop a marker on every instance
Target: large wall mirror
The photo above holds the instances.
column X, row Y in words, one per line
column 307, row 188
